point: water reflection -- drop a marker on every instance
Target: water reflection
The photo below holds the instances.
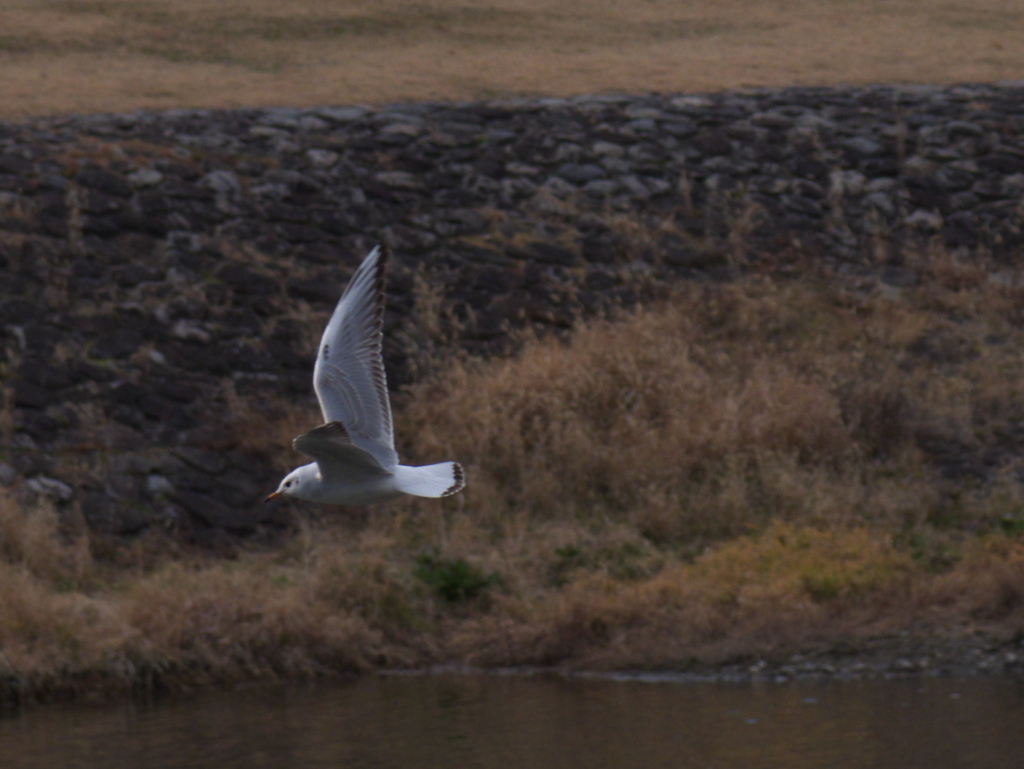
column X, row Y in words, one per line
column 537, row 722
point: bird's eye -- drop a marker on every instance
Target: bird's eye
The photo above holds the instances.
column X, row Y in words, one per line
column 288, row 484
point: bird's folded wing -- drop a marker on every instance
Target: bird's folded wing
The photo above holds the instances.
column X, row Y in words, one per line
column 335, row 454
column 349, row 375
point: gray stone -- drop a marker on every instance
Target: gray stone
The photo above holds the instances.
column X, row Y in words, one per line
column 990, row 188
column 25, row 442
column 771, row 120
column 201, row 459
column 267, row 132
column 159, row 486
column 580, row 173
column 521, row 169
column 568, row 152
column 641, row 126
column 558, row 187
column 609, row 149
column 216, row 514
column 803, row 205
column 813, row 124
column 399, row 133
column 657, row 186
column 917, row 164
column 932, row 134
column 8, row 475
column 842, row 183
column 513, row 190
column 678, row 128
column 282, row 117
column 770, row 186
column 964, row 128
column 881, row 202
column 190, row 331
column 808, row 189
column 600, row 188
column 1014, row 184
column 953, row 178
column 690, row 104
column 863, row 146
column 642, row 112
column 719, row 183
column 144, row 177
column 312, row 123
column 616, row 166
column 962, row 201
column 402, row 180
column 635, row 187
column 226, row 188
column 50, row 488
column 719, row 164
column 924, row 220
column 342, row 115
column 294, row 181
column 183, row 240
column 882, row 184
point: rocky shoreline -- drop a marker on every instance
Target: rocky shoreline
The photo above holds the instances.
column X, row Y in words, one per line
column 878, row 658
column 899, row 657
column 159, row 269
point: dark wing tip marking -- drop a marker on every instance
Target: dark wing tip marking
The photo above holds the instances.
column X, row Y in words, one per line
column 380, row 284
column 380, row 302
column 334, row 430
column 330, row 430
column 460, row 480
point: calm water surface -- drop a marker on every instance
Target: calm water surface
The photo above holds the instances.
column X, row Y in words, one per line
column 455, row 721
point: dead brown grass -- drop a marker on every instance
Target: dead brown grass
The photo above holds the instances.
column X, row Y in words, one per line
column 110, row 55
column 774, row 465
column 735, row 405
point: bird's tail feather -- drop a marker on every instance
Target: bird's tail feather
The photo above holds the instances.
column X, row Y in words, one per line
column 440, row 480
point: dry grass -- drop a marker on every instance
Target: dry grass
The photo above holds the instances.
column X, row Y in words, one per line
column 109, row 55
column 756, row 468
column 736, row 405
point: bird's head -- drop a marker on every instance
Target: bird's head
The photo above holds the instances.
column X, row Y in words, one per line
column 293, row 484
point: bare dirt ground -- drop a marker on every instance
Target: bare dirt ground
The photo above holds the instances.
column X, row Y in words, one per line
column 61, row 56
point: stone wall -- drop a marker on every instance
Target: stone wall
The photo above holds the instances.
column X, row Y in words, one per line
column 160, row 269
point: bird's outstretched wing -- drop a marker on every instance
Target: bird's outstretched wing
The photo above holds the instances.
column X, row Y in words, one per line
column 349, row 376
column 335, row 454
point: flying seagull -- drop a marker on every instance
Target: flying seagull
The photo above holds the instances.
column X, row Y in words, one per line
column 354, row 450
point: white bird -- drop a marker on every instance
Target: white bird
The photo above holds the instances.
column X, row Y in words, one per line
column 356, row 462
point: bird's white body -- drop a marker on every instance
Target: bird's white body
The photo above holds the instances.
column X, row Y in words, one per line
column 356, row 462
column 368, row 490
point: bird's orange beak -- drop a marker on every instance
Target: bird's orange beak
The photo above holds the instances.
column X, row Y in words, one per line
column 275, row 495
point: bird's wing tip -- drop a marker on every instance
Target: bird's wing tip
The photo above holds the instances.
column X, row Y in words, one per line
column 459, row 480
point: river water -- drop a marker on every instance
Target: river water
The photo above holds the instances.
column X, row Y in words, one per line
column 540, row 722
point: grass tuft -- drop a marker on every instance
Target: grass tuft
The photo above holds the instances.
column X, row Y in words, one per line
column 455, row 580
